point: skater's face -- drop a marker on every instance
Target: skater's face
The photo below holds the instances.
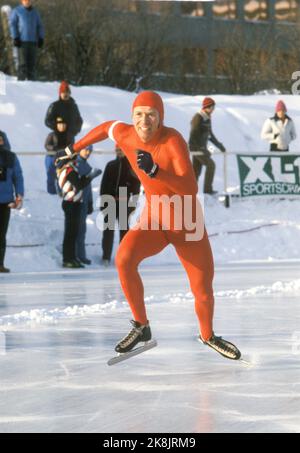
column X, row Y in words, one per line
column 146, row 122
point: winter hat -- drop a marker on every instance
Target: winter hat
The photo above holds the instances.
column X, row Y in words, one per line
column 208, row 102
column 150, row 99
column 281, row 106
column 64, row 87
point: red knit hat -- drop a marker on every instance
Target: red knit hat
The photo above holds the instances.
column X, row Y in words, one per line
column 281, row 106
column 150, row 99
column 208, row 102
column 64, row 87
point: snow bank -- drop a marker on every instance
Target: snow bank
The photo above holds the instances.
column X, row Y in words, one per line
column 237, row 123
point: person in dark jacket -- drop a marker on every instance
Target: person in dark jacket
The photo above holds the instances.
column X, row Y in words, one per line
column 72, row 186
column 117, row 174
column 84, row 169
column 55, row 141
column 66, row 108
column 5, row 140
column 201, row 132
column 28, row 34
column 11, row 193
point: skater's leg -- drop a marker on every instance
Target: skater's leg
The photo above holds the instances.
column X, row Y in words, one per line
column 197, row 260
column 135, row 247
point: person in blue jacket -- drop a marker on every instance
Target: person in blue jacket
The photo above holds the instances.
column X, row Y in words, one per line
column 28, row 34
column 5, row 140
column 84, row 169
column 11, row 192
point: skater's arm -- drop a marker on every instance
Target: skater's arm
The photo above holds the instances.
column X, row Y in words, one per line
column 99, row 133
column 183, row 180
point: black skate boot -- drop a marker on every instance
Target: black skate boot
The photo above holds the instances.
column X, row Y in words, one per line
column 136, row 335
column 223, row 347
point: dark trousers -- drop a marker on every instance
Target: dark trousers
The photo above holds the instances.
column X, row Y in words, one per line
column 27, row 60
column 274, row 147
column 72, row 219
column 108, row 235
column 206, row 161
column 4, row 221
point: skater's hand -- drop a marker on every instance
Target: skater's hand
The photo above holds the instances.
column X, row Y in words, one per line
column 17, row 42
column 146, row 163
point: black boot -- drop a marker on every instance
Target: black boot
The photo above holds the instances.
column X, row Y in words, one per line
column 136, row 335
column 4, row 270
column 223, row 347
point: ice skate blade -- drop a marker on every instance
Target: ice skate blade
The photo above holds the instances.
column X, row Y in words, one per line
column 127, row 355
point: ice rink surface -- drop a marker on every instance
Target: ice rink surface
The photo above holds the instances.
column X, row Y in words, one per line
column 58, row 329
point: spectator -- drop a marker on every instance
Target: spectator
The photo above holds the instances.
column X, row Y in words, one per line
column 87, row 203
column 71, row 185
column 66, row 108
column 11, row 192
column 279, row 130
column 117, row 174
column 55, row 141
column 201, row 132
column 27, row 32
column 6, row 144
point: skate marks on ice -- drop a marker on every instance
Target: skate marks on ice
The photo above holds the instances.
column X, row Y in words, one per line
column 127, row 355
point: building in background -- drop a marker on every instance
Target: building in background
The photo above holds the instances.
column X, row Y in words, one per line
column 225, row 46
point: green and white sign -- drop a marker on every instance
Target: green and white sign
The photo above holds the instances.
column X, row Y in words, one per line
column 263, row 175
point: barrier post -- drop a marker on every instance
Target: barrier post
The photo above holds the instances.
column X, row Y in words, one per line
column 226, row 195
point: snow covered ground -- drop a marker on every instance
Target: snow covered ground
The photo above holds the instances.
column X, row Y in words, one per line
column 274, row 225
column 60, row 329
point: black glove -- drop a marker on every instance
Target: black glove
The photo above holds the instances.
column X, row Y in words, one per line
column 90, row 208
column 40, row 43
column 17, row 42
column 94, row 173
column 63, row 155
column 146, row 163
column 222, row 147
